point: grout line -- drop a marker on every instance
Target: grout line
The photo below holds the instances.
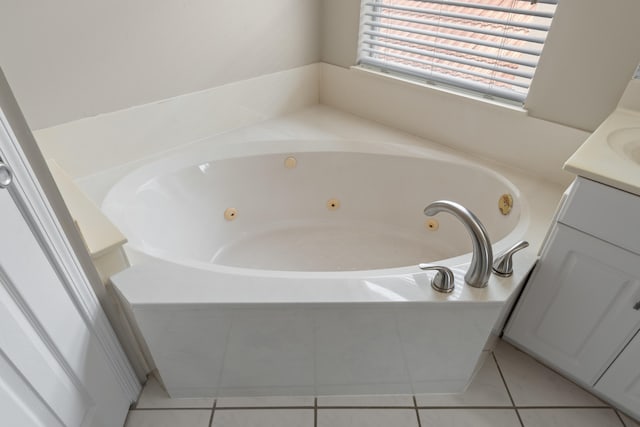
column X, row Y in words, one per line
column 565, row 407
column 366, row 407
column 620, row 418
column 316, row 408
column 231, row 408
column 506, row 386
column 415, row 404
column 213, row 410
column 513, row 407
column 466, row 407
column 171, row 409
column 315, row 412
column 252, row 408
column 495, row 359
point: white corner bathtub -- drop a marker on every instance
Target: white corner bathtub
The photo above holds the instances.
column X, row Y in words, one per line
column 290, row 267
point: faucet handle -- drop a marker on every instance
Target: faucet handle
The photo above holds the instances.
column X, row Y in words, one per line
column 503, row 265
column 443, row 281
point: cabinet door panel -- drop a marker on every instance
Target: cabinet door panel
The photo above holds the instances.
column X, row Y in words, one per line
column 577, row 311
column 621, row 382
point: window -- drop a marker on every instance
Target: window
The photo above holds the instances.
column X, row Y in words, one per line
column 485, row 46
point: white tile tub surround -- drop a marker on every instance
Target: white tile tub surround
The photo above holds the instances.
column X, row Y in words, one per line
column 299, row 349
column 486, row 389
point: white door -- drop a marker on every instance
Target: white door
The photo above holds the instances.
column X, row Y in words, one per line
column 52, row 372
column 59, row 364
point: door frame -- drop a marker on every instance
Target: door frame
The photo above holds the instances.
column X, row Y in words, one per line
column 36, row 195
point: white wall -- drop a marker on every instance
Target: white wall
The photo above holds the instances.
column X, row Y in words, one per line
column 340, row 26
column 69, row 59
column 590, row 55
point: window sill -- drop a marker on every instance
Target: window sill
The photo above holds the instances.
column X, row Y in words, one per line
column 440, row 88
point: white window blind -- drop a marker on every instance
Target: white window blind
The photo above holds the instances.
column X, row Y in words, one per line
column 486, row 46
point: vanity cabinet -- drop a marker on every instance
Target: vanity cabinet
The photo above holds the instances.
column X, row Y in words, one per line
column 621, row 382
column 579, row 311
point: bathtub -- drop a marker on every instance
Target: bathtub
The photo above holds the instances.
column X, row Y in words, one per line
column 290, row 267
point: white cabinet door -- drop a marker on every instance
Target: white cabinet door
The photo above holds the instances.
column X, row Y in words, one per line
column 577, row 311
column 621, row 382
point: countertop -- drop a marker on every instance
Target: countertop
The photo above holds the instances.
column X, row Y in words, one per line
column 611, row 155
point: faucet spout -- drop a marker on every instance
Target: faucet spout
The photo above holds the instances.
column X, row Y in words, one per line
column 482, row 257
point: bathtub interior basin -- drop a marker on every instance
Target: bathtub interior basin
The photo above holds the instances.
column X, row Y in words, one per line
column 308, row 210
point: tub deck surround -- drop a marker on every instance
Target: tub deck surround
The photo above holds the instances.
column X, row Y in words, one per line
column 372, row 335
column 231, row 287
column 226, row 311
column 100, row 235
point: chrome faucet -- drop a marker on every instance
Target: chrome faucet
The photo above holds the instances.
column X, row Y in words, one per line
column 503, row 264
column 482, row 258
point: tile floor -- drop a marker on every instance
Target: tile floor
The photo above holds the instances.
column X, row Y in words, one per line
column 510, row 390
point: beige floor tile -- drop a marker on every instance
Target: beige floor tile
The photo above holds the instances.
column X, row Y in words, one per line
column 265, row 401
column 486, row 389
column 263, row 418
column 383, row 400
column 154, row 396
column 169, row 418
column 629, row 422
column 367, row 418
column 573, row 417
column 469, row 418
column 532, row 384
